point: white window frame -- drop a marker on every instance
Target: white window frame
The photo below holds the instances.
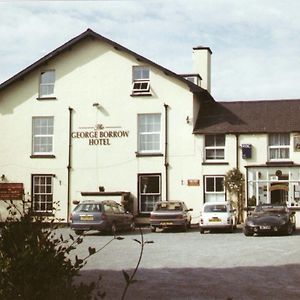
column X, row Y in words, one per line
column 48, row 84
column 279, row 147
column 214, row 192
column 155, row 196
column 140, row 80
column 214, row 147
column 146, row 135
column 40, row 136
column 42, row 193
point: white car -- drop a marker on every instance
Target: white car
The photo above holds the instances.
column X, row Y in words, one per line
column 218, row 215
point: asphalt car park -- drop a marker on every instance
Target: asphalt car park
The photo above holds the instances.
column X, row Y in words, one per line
column 190, row 265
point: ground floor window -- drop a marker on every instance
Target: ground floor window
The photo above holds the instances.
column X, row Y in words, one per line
column 42, row 193
column 214, row 188
column 149, row 191
column 276, row 185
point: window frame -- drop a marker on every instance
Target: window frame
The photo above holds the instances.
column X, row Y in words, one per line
column 279, row 147
column 141, row 134
column 215, row 147
column 48, row 195
column 140, row 84
column 42, row 84
column 215, row 191
column 156, row 195
column 47, row 135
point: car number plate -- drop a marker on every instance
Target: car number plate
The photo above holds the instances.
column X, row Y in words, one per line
column 214, row 220
column 265, row 227
column 166, row 223
column 86, row 218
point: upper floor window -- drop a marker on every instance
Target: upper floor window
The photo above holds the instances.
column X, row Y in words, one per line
column 141, row 80
column 279, row 146
column 42, row 135
column 215, row 147
column 47, row 81
column 149, row 133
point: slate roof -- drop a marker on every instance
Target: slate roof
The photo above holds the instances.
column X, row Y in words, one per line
column 91, row 34
column 264, row 116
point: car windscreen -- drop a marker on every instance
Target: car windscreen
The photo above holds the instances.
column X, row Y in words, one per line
column 271, row 209
column 215, row 208
column 88, row 207
column 168, row 206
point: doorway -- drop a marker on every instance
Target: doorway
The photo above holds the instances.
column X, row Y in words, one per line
column 279, row 193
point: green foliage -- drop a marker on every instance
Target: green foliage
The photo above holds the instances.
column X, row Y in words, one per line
column 234, row 181
column 34, row 262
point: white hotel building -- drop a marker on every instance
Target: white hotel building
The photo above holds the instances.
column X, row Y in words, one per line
column 95, row 120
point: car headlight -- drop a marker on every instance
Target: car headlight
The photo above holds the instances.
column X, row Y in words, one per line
column 249, row 223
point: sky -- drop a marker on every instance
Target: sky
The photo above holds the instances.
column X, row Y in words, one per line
column 255, row 43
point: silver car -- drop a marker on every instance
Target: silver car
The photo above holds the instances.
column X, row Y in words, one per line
column 170, row 214
column 105, row 216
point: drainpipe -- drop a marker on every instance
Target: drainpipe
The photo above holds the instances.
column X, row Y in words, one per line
column 166, row 152
column 69, row 167
column 237, row 151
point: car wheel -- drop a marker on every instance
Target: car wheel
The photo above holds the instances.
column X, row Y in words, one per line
column 289, row 229
column 152, row 228
column 247, row 232
column 185, row 227
column 79, row 232
column 113, row 229
column 132, row 226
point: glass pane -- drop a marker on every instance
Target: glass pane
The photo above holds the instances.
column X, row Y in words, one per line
column 220, row 140
column 210, row 184
column 209, row 140
column 219, row 184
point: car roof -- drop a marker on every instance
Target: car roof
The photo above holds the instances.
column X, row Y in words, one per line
column 98, row 202
column 217, row 203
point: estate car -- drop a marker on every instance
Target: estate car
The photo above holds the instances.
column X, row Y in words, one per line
column 105, row 216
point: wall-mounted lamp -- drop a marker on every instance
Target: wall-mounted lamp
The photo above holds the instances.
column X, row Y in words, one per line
column 188, row 120
column 2, row 177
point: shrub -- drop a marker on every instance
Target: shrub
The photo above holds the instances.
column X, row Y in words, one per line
column 34, row 262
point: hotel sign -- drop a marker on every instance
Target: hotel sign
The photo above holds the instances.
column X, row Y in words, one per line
column 100, row 135
column 11, row 191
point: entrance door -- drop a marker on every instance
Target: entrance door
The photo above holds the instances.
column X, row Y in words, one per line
column 279, row 193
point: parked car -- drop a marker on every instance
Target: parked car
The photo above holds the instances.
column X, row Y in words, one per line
column 170, row 214
column 218, row 215
column 269, row 218
column 105, row 216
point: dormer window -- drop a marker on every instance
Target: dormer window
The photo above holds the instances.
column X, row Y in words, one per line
column 47, row 80
column 140, row 80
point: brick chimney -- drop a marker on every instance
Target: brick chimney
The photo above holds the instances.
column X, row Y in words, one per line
column 202, row 65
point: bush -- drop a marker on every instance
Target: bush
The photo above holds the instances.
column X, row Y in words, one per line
column 34, row 262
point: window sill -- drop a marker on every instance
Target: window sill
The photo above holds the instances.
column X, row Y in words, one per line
column 141, row 94
column 42, row 214
column 206, row 163
column 42, row 156
column 138, row 154
column 280, row 162
column 46, row 98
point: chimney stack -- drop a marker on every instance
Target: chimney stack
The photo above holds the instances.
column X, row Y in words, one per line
column 202, row 65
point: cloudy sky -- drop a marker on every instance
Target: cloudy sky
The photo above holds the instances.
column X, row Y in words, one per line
column 255, row 43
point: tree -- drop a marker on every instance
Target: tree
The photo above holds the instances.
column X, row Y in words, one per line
column 234, row 184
